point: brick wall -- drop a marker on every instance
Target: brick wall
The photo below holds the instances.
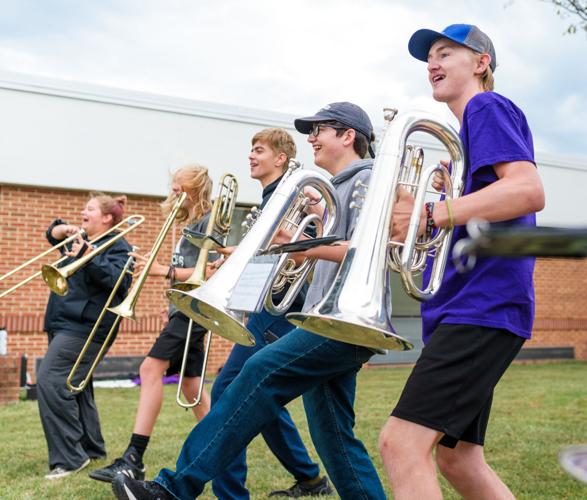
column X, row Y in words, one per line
column 9, row 378
column 25, row 213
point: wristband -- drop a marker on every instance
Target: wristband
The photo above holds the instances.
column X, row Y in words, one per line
column 170, row 272
column 451, row 219
column 82, row 250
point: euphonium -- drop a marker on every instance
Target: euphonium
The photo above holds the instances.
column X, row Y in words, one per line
column 357, row 308
column 208, row 305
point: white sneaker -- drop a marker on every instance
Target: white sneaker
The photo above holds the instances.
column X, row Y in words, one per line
column 59, row 472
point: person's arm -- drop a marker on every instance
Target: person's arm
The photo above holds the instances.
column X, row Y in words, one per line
column 517, row 191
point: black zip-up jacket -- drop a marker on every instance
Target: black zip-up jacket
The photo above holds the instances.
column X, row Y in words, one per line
column 88, row 289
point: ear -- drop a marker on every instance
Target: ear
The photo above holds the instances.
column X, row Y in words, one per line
column 107, row 219
column 482, row 63
column 349, row 137
column 281, row 159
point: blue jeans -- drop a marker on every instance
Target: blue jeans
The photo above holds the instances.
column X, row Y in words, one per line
column 280, row 434
column 298, row 363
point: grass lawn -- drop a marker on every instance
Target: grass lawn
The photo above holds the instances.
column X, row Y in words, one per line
column 537, row 410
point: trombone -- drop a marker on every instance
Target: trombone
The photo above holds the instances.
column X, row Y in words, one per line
column 34, row 259
column 56, row 277
column 100, row 355
column 218, row 224
column 126, row 308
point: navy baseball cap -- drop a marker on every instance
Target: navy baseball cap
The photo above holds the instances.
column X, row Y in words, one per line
column 464, row 34
column 347, row 113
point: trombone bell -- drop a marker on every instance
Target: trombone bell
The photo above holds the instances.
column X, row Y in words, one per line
column 56, row 281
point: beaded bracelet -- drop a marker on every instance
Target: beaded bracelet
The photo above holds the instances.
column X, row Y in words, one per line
column 429, row 219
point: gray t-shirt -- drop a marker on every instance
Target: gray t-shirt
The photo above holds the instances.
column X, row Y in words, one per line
column 344, row 183
column 185, row 255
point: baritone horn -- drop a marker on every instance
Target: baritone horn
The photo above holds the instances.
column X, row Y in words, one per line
column 216, row 235
column 56, row 277
column 357, row 308
column 208, row 305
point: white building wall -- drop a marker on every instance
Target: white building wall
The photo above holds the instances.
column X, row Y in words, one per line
column 70, row 135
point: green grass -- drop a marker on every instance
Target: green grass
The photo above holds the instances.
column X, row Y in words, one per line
column 537, row 410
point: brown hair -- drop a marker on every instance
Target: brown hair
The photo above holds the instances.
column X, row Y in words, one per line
column 361, row 143
column 279, row 141
column 109, row 205
column 197, row 184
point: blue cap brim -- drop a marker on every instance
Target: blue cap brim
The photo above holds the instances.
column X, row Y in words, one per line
column 421, row 41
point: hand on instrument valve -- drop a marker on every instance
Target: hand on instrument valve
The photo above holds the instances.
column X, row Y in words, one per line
column 140, row 261
column 78, row 247
column 212, row 267
column 402, row 211
column 314, row 205
column 438, row 179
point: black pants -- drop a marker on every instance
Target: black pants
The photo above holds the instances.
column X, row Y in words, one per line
column 70, row 421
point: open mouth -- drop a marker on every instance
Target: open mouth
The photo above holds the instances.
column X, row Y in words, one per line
column 437, row 78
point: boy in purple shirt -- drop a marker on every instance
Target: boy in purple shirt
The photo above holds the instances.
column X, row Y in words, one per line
column 478, row 321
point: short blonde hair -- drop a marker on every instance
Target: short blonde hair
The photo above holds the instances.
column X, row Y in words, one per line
column 279, row 141
column 198, row 185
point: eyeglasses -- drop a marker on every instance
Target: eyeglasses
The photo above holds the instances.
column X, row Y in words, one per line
column 317, row 127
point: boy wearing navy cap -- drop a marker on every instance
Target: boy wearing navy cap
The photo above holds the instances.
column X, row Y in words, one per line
column 476, row 324
column 323, row 370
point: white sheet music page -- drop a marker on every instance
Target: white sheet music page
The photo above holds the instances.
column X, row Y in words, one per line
column 251, row 289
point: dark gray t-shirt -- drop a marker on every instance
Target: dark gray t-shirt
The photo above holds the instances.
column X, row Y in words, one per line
column 185, row 255
column 344, row 183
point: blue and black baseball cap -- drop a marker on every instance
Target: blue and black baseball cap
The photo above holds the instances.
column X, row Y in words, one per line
column 347, row 113
column 466, row 35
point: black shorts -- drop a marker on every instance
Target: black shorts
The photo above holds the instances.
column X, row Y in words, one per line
column 451, row 387
column 170, row 345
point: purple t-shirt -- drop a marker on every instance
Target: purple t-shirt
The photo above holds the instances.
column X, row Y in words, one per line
column 498, row 292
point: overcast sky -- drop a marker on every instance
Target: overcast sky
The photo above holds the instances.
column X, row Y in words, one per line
column 294, row 56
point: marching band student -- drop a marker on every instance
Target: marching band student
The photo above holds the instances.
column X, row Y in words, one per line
column 272, row 148
column 476, row 324
column 70, row 421
column 167, row 351
column 321, row 369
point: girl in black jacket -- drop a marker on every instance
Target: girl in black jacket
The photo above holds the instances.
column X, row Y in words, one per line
column 70, row 421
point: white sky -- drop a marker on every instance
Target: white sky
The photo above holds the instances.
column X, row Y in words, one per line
column 294, row 56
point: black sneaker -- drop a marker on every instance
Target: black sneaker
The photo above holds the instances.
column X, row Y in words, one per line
column 125, row 488
column 303, row 489
column 126, row 465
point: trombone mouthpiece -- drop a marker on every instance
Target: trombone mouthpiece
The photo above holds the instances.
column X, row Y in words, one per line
column 389, row 114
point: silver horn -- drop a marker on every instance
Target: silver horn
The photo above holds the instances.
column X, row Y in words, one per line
column 357, row 308
column 208, row 305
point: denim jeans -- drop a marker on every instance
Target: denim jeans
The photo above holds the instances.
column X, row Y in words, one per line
column 298, row 363
column 280, row 434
